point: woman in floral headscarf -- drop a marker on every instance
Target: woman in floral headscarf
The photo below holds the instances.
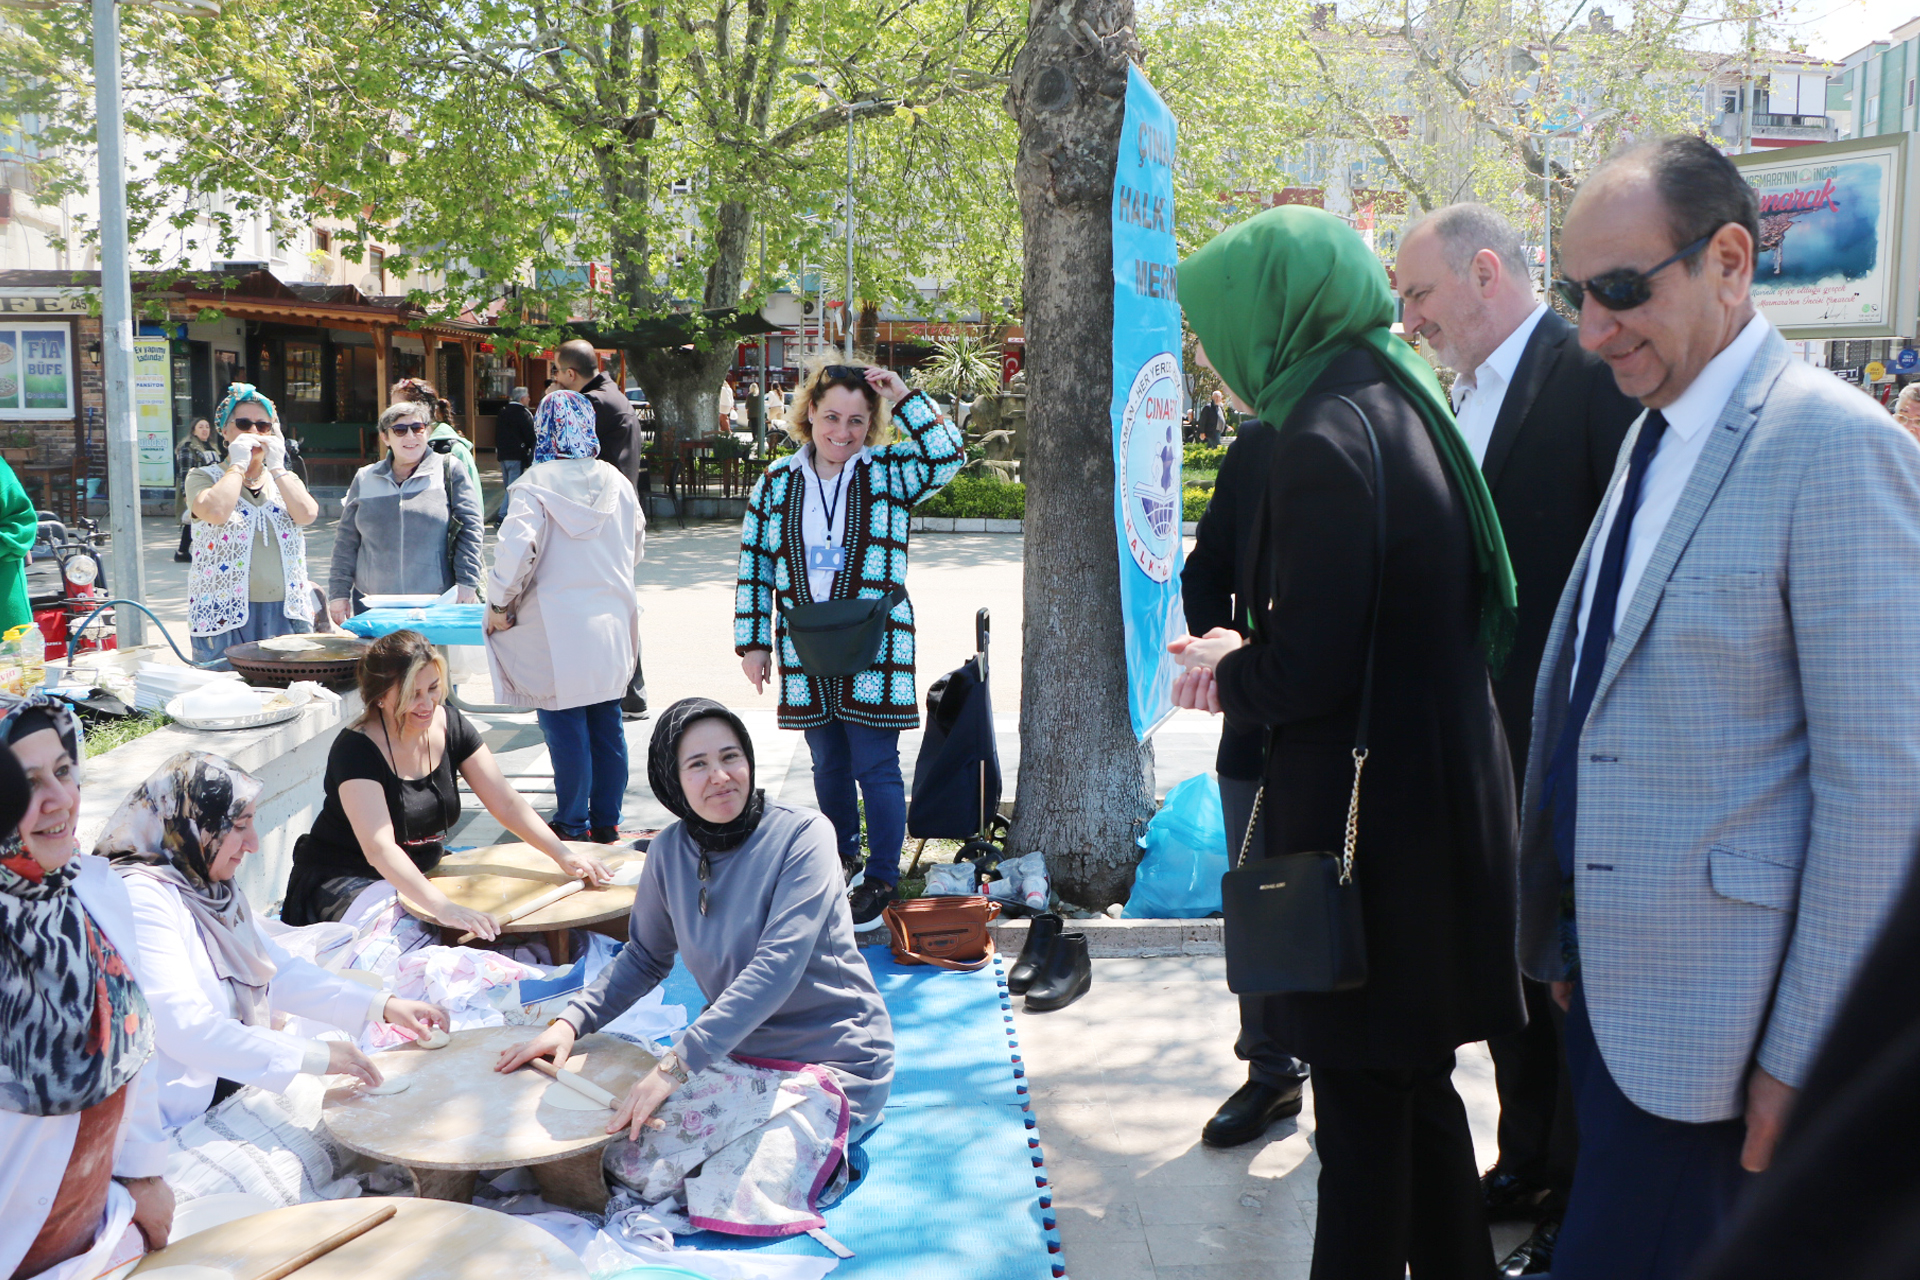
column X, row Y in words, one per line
column 213, row 980
column 564, row 627
column 81, row 1143
column 249, row 575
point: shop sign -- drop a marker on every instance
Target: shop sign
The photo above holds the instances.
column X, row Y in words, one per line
column 1906, row 361
column 1847, row 375
column 1876, row 372
column 15, row 304
column 153, row 411
column 1836, row 225
column 36, row 370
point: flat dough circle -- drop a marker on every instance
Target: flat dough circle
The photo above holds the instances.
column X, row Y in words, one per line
column 187, row 1271
column 436, row 1038
column 392, row 1084
column 568, row 1099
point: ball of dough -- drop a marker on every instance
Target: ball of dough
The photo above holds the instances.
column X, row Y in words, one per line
column 436, row 1038
column 392, row 1084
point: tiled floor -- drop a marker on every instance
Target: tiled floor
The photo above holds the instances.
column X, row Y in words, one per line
column 1124, row 1079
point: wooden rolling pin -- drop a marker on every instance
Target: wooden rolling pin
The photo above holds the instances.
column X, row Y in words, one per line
column 282, row 1269
column 586, row 1088
column 528, row 907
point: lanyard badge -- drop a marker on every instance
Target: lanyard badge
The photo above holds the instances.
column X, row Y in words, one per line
column 829, row 556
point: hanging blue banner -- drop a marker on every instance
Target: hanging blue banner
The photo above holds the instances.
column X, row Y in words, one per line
column 1147, row 398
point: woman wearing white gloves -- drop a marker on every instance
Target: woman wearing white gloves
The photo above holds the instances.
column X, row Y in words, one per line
column 249, row 575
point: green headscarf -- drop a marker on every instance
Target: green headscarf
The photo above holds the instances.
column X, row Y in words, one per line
column 1275, row 299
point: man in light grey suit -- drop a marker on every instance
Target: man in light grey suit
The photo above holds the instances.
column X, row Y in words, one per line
column 1723, row 794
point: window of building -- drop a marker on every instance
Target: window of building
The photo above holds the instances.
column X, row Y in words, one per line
column 322, row 241
column 1873, row 109
column 303, row 372
column 1729, row 102
column 1909, row 93
column 377, row 266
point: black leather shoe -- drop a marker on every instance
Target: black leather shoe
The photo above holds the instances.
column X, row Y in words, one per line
column 1041, row 935
column 604, row 835
column 1534, row 1256
column 868, row 899
column 1246, row 1115
column 1511, row 1197
column 1064, row 978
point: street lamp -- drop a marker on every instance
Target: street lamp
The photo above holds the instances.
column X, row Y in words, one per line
column 808, row 78
column 1545, row 138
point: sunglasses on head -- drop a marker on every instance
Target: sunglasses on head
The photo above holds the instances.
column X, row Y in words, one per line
column 844, row 372
column 409, row 428
column 263, row 425
column 1623, row 289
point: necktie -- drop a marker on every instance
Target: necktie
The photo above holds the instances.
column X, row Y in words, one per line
column 1561, row 798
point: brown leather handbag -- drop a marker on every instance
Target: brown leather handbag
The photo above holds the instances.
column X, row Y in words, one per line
column 946, row 932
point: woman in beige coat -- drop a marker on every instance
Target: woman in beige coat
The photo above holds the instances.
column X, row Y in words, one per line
column 564, row 626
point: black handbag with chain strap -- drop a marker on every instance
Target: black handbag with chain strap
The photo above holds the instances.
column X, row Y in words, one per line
column 1293, row 922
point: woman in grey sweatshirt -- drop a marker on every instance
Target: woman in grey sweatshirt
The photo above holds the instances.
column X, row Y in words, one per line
column 749, row 892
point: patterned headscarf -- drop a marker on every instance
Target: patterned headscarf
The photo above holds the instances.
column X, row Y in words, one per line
column 77, row 1027
column 239, row 393
column 168, row 830
column 663, row 775
column 563, row 428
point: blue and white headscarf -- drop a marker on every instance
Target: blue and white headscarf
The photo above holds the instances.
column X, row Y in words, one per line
column 563, row 428
column 239, row 393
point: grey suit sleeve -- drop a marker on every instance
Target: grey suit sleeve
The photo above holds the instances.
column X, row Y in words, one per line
column 1853, row 566
column 640, row 966
column 469, row 569
column 346, row 545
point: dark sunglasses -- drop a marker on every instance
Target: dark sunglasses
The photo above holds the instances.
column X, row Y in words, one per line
column 263, row 425
column 1623, row 289
column 409, row 428
column 844, row 372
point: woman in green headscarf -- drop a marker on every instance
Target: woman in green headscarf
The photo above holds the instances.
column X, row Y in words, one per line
column 19, row 527
column 1291, row 309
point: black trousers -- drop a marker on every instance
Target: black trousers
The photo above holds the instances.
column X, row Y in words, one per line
column 1399, row 1189
column 635, row 698
column 1538, row 1136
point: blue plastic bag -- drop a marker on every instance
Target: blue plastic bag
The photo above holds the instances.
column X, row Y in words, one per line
column 1186, row 844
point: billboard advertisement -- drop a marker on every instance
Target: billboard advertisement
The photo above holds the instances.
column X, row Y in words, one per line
column 36, row 370
column 1146, row 404
column 153, row 411
column 1835, row 258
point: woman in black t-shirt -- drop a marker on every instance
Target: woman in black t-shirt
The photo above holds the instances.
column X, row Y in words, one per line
column 391, row 796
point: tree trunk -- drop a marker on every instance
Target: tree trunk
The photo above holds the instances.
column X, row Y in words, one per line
column 1085, row 784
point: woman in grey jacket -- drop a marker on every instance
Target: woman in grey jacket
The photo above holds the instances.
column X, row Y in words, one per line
column 747, row 891
column 410, row 524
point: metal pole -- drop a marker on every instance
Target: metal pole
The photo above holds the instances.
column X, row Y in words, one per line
column 116, row 325
column 849, row 338
column 1546, row 231
column 766, row 374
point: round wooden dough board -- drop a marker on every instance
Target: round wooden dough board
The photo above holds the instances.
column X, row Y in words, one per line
column 424, row 1240
column 495, row 876
column 458, row 1113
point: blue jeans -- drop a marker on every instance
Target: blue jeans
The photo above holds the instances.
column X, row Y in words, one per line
column 265, row 620
column 844, row 754
column 589, row 752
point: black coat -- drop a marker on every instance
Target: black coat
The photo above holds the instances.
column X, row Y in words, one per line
column 1207, row 423
column 1842, row 1197
column 617, row 425
column 1548, row 463
column 1438, row 836
column 1208, row 582
column 513, row 433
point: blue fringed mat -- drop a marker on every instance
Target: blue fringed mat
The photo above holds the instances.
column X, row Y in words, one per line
column 954, row 1185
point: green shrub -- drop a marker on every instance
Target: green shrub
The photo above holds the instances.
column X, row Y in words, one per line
column 104, row 736
column 1196, row 502
column 1200, row 457
column 977, row 498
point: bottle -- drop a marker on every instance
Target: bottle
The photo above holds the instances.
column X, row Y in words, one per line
column 10, row 675
column 33, row 657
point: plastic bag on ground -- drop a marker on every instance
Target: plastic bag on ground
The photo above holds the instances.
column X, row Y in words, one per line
column 1023, row 880
column 1186, row 844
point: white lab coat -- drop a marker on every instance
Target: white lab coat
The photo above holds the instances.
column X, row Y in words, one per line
column 196, row 1036
column 34, row 1150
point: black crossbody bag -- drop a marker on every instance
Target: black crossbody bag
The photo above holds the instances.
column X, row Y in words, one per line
column 1293, row 922
column 841, row 637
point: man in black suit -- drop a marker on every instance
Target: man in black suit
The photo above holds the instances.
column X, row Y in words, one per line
column 1545, row 421
column 512, row 444
column 576, row 367
column 1222, row 546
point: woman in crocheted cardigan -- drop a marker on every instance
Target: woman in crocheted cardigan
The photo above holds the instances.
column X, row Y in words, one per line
column 830, row 522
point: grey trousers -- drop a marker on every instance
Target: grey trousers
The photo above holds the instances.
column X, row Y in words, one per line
column 1266, row 1063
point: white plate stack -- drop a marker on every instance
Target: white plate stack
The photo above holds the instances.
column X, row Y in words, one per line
column 160, row 683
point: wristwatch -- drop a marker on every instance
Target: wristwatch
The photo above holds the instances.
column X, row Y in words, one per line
column 669, row 1065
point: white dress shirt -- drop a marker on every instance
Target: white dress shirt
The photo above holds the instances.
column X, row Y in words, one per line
column 196, row 1037
column 816, row 530
column 1477, row 396
column 1690, row 421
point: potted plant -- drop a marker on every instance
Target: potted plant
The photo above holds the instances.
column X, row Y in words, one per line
column 18, row 445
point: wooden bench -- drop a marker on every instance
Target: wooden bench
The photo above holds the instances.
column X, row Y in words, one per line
column 335, row 448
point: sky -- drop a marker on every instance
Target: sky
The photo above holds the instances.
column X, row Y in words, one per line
column 1835, row 28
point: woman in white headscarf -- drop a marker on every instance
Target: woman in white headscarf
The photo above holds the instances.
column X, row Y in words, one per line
column 212, row 979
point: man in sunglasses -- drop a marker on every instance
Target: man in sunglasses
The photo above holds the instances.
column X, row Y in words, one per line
column 1723, row 794
column 1544, row 421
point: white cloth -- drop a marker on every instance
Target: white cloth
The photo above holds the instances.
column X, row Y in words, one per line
column 197, row 1038
column 1479, row 393
column 34, row 1150
column 1689, row 422
column 815, row 529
